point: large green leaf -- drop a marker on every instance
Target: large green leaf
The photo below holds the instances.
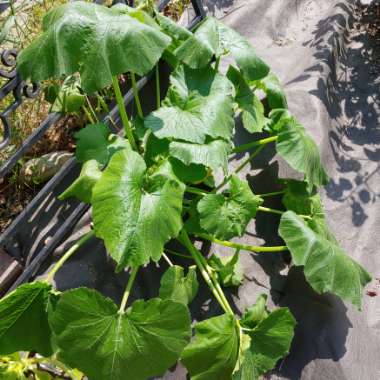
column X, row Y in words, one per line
column 136, row 213
column 302, row 154
column 82, row 186
column 249, row 104
column 23, row 320
column 95, row 142
column 213, row 352
column 270, row 341
column 106, row 344
column 94, row 40
column 198, row 104
column 178, row 287
column 226, row 216
column 327, row 268
column 222, row 40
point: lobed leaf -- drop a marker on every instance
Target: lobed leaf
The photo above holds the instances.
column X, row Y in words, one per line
column 256, row 313
column 213, row 352
column 274, row 91
column 105, row 344
column 24, row 321
column 178, row 287
column 270, row 341
column 221, row 40
column 228, row 269
column 226, row 216
column 136, row 213
column 94, row 40
column 327, row 268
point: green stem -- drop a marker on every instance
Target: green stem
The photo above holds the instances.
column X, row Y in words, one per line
column 103, row 103
column 67, row 255
column 88, row 115
column 158, row 93
column 93, row 113
column 250, row 248
column 244, row 147
column 178, row 254
column 123, row 112
column 195, row 190
column 136, row 95
column 279, row 212
column 271, row 194
column 208, row 277
column 166, row 258
column 240, row 167
column 127, row 292
column 217, row 62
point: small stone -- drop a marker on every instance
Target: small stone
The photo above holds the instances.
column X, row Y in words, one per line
column 41, row 169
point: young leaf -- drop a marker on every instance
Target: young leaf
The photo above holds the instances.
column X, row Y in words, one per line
column 213, row 352
column 274, row 91
column 177, row 287
column 82, row 186
column 228, row 269
column 278, row 118
column 24, row 321
column 105, row 344
column 94, row 40
column 301, row 152
column 226, row 216
column 69, row 97
column 95, row 142
column 136, row 213
column 250, row 105
column 327, row 268
column 256, row 313
column 270, row 341
column 198, row 104
column 222, row 40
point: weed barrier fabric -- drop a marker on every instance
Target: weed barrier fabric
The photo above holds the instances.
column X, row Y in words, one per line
column 324, row 64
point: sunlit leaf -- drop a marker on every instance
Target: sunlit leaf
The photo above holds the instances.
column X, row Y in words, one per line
column 228, row 269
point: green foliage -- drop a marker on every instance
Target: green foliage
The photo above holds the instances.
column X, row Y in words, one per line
column 142, row 342
column 164, row 175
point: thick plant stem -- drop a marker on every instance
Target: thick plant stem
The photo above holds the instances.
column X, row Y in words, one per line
column 68, row 254
column 243, row 148
column 195, row 190
column 207, row 276
column 250, row 248
column 136, row 95
column 127, row 292
column 158, row 91
column 123, row 112
column 279, row 212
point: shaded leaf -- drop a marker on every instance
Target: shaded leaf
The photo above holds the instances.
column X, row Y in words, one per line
column 221, row 40
column 198, row 104
column 273, row 90
column 94, row 40
column 256, row 313
column 178, row 287
column 136, row 213
column 250, row 105
column 270, row 341
column 69, row 97
column 278, row 118
column 106, row 344
column 82, row 187
column 327, row 268
column 213, row 352
column 23, row 320
column 95, row 142
column 301, row 152
column 226, row 216
column 228, row 269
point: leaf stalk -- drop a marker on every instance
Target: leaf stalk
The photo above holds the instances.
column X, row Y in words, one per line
column 127, row 292
column 244, row 147
column 136, row 95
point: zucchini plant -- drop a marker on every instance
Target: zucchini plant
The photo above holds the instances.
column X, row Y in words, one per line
column 168, row 179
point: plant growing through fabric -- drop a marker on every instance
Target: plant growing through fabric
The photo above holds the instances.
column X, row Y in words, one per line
column 161, row 183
